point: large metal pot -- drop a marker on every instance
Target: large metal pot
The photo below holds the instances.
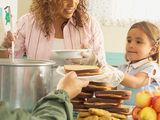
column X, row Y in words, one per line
column 24, row 81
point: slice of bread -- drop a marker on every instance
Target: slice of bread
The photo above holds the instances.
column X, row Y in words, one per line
column 81, row 67
column 83, row 70
column 116, row 94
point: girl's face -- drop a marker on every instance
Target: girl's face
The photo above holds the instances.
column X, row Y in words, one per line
column 68, row 8
column 138, row 45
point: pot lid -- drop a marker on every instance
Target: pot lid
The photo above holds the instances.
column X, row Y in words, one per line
column 26, row 62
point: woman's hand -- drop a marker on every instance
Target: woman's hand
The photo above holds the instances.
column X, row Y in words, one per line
column 88, row 57
column 71, row 84
column 4, row 53
column 7, row 43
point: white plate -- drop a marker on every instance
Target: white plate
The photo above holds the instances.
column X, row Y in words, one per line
column 96, row 78
column 69, row 53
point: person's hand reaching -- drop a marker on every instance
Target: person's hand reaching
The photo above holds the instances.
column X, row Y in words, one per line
column 113, row 76
column 88, row 57
column 7, row 43
column 71, row 84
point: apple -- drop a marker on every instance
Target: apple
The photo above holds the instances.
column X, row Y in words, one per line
column 135, row 112
column 156, row 103
column 143, row 99
column 154, row 98
column 158, row 116
column 147, row 113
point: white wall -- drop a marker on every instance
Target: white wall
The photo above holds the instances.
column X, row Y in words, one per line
column 23, row 7
column 115, row 38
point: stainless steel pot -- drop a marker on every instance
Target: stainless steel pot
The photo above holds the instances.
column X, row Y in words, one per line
column 23, row 82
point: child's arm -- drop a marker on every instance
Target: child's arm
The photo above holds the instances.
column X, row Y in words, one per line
column 136, row 81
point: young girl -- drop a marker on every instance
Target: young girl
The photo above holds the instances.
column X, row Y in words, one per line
column 141, row 71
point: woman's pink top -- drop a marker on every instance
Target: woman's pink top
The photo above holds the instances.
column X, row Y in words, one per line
column 30, row 38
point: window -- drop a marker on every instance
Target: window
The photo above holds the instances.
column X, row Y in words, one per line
column 124, row 12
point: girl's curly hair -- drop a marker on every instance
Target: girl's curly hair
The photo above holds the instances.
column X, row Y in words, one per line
column 44, row 12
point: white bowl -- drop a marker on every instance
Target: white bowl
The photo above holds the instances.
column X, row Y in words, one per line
column 69, row 53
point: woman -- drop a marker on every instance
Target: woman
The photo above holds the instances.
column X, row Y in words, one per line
column 58, row 24
column 61, row 24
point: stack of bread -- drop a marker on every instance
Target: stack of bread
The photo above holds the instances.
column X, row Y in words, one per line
column 102, row 96
column 98, row 94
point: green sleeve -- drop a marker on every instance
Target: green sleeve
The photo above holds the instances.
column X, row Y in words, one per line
column 18, row 114
column 55, row 106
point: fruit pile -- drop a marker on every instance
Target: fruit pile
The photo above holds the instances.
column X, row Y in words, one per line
column 147, row 105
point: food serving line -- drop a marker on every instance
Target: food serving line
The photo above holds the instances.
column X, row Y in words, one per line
column 24, row 81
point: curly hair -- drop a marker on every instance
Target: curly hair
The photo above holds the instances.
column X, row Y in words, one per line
column 44, row 12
